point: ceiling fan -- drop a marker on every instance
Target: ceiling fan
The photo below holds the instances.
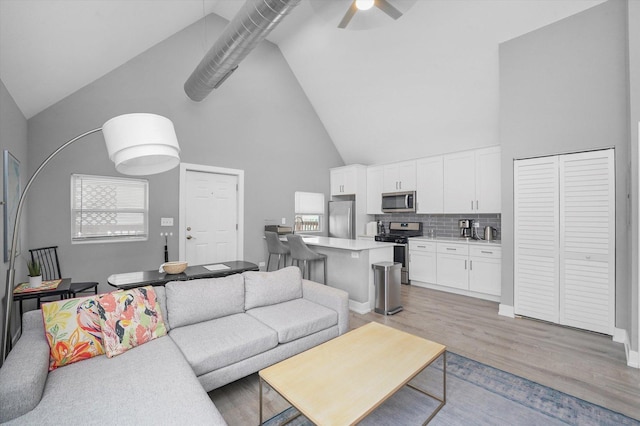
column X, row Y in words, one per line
column 361, row 5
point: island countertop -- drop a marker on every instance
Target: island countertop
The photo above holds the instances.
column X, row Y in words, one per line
column 342, row 243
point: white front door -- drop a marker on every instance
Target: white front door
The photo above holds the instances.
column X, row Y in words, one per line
column 209, row 224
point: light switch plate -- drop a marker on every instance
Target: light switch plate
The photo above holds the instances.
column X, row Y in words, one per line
column 166, row 221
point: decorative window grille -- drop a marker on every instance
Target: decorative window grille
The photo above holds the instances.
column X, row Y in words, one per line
column 107, row 208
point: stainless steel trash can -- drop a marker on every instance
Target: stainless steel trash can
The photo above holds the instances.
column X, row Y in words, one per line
column 387, row 282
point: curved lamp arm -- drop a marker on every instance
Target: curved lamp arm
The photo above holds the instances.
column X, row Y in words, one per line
column 14, row 243
column 138, row 144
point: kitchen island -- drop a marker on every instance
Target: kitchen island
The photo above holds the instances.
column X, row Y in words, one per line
column 349, row 266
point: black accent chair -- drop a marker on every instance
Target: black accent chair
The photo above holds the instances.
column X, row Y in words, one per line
column 50, row 267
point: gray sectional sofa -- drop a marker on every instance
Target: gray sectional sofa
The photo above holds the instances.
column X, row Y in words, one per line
column 219, row 330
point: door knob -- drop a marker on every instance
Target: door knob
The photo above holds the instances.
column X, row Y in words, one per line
column 188, row 228
column 189, row 237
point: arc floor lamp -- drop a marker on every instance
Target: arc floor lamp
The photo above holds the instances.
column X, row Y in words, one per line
column 138, row 144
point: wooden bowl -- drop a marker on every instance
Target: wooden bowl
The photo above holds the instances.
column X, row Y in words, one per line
column 174, row 267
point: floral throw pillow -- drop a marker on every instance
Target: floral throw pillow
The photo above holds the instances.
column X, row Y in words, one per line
column 129, row 319
column 72, row 329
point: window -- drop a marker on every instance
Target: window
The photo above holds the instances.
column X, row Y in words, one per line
column 107, row 208
column 308, row 222
column 309, row 211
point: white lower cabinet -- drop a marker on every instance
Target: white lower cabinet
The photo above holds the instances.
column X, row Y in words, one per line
column 422, row 261
column 485, row 269
column 471, row 269
column 453, row 263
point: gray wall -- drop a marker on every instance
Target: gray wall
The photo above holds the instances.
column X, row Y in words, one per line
column 634, row 113
column 259, row 121
column 13, row 136
column 564, row 88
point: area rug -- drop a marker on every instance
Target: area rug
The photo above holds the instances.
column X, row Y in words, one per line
column 478, row 394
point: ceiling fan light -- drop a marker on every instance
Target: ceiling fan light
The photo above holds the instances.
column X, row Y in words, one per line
column 364, row 4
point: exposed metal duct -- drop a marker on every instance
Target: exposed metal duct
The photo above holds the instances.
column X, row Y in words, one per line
column 249, row 27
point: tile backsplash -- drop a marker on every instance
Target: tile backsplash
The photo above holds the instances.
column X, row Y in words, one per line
column 445, row 225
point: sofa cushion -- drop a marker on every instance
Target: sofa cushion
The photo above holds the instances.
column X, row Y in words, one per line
column 161, row 297
column 295, row 319
column 221, row 342
column 150, row 384
column 194, row 301
column 73, row 331
column 129, row 318
column 269, row 288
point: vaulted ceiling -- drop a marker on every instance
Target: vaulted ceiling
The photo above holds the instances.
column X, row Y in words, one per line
column 425, row 84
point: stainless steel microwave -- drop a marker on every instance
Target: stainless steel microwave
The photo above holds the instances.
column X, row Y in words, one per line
column 399, row 202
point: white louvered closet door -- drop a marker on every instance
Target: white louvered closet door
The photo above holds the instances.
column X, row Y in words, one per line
column 536, row 242
column 587, row 240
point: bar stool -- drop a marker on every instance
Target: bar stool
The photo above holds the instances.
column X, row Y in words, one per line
column 300, row 251
column 275, row 246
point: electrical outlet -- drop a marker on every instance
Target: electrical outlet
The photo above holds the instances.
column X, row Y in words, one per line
column 355, row 255
column 261, row 264
column 284, row 220
column 166, row 221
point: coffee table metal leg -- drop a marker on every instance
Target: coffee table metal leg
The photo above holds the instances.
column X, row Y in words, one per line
column 442, row 400
column 260, row 379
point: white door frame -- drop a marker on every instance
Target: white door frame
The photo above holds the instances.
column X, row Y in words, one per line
column 184, row 168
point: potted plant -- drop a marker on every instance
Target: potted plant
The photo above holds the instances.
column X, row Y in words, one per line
column 35, row 275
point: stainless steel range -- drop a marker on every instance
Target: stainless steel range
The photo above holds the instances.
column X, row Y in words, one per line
column 399, row 233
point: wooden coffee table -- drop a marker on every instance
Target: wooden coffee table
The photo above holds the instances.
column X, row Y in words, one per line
column 343, row 380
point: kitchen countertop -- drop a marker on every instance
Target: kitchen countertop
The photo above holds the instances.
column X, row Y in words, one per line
column 457, row 240
column 342, row 243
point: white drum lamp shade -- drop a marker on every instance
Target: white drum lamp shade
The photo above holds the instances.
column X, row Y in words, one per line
column 141, row 144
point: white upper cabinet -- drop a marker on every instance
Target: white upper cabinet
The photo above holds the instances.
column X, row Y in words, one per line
column 400, row 176
column 430, row 185
column 488, row 182
column 375, row 179
column 344, row 180
column 459, row 182
column 472, row 181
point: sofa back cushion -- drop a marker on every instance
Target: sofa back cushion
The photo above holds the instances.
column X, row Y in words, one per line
column 269, row 288
column 194, row 301
column 161, row 297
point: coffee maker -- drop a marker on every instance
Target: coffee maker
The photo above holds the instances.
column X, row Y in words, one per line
column 465, row 225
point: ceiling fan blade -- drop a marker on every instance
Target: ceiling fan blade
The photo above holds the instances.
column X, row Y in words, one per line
column 347, row 16
column 387, row 8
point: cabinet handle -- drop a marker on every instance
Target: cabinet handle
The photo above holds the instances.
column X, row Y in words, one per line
column 421, row 246
column 471, row 204
column 449, row 248
column 477, row 205
column 465, row 264
column 486, row 252
column 471, row 265
column 400, row 185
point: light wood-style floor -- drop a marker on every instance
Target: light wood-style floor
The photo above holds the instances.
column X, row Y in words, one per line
column 583, row 364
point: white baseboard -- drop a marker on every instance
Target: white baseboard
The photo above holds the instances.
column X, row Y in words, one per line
column 620, row 335
column 359, row 307
column 506, row 311
column 483, row 296
column 633, row 359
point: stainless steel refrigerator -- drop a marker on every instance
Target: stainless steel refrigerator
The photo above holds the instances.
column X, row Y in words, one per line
column 342, row 216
